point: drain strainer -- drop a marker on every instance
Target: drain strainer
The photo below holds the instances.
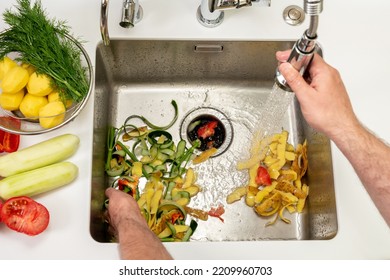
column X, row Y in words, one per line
column 210, row 126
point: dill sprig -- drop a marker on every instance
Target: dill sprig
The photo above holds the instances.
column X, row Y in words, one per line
column 44, row 43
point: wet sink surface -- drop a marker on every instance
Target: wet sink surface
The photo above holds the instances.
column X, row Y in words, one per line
column 227, row 79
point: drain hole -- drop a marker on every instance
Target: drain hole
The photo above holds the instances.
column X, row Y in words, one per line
column 209, row 130
column 210, row 126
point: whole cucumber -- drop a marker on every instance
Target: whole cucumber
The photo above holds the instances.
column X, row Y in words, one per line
column 39, row 180
column 41, row 154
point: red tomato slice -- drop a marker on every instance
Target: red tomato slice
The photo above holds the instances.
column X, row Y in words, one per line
column 263, row 178
column 207, row 129
column 217, row 212
column 25, row 215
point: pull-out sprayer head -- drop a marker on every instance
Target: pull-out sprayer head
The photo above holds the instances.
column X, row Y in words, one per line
column 300, row 58
column 303, row 50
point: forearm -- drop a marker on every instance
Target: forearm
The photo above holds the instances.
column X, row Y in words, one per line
column 138, row 242
column 370, row 158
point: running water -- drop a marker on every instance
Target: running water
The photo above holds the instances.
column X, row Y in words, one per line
column 272, row 114
column 219, row 176
column 273, row 111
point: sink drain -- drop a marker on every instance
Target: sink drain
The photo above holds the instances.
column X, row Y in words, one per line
column 210, row 126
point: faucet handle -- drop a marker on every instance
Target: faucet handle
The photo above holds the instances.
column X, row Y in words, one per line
column 231, row 4
column 244, row 3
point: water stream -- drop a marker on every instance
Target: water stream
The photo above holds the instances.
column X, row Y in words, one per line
column 252, row 120
column 219, row 176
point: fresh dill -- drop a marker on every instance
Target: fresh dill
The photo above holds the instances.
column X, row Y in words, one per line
column 45, row 44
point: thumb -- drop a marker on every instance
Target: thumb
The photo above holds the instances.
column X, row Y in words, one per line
column 294, row 79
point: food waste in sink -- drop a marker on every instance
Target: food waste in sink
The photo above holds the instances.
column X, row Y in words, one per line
column 221, row 97
column 145, row 162
column 276, row 178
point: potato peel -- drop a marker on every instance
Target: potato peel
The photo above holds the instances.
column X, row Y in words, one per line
column 286, row 166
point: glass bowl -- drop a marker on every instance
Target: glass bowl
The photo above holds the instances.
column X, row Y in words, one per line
column 15, row 122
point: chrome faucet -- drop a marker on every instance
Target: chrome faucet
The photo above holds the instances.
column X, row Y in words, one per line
column 131, row 14
column 210, row 12
column 304, row 49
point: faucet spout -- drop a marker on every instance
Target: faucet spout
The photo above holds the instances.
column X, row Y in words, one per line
column 303, row 50
column 131, row 13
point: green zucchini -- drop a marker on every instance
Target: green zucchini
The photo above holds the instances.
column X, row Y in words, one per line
column 41, row 154
column 39, row 180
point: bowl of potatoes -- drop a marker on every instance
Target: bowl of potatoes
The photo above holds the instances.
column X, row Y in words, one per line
column 31, row 102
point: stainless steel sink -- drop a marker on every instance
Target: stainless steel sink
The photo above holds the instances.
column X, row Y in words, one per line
column 231, row 79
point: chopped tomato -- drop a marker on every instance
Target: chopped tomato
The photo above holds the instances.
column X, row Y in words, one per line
column 129, row 185
column 207, row 130
column 25, row 215
column 263, row 178
column 176, row 216
column 9, row 142
column 217, row 212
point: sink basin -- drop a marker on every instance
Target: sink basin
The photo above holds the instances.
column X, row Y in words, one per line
column 227, row 79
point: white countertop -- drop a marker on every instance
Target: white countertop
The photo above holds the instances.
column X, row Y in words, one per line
column 354, row 36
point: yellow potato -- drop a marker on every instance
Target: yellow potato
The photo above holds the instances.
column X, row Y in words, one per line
column 52, row 114
column 11, row 102
column 39, row 84
column 55, row 96
column 29, row 68
column 6, row 64
column 31, row 105
column 15, row 79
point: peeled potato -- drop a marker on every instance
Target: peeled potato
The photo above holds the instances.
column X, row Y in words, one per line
column 14, row 79
column 31, row 104
column 29, row 68
column 52, row 114
column 39, row 84
column 5, row 65
column 12, row 101
column 55, row 96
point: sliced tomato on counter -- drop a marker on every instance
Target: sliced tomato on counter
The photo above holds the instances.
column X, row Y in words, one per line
column 25, row 215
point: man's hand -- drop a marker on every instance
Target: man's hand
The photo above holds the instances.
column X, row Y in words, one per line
column 136, row 240
column 324, row 102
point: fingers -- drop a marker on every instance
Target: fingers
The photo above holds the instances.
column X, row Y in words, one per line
column 109, row 191
column 294, row 79
column 282, row 56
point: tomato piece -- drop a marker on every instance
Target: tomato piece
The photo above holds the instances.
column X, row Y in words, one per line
column 207, row 130
column 2, row 133
column 9, row 142
column 25, row 215
column 176, row 216
column 217, row 212
column 129, row 185
column 263, row 178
